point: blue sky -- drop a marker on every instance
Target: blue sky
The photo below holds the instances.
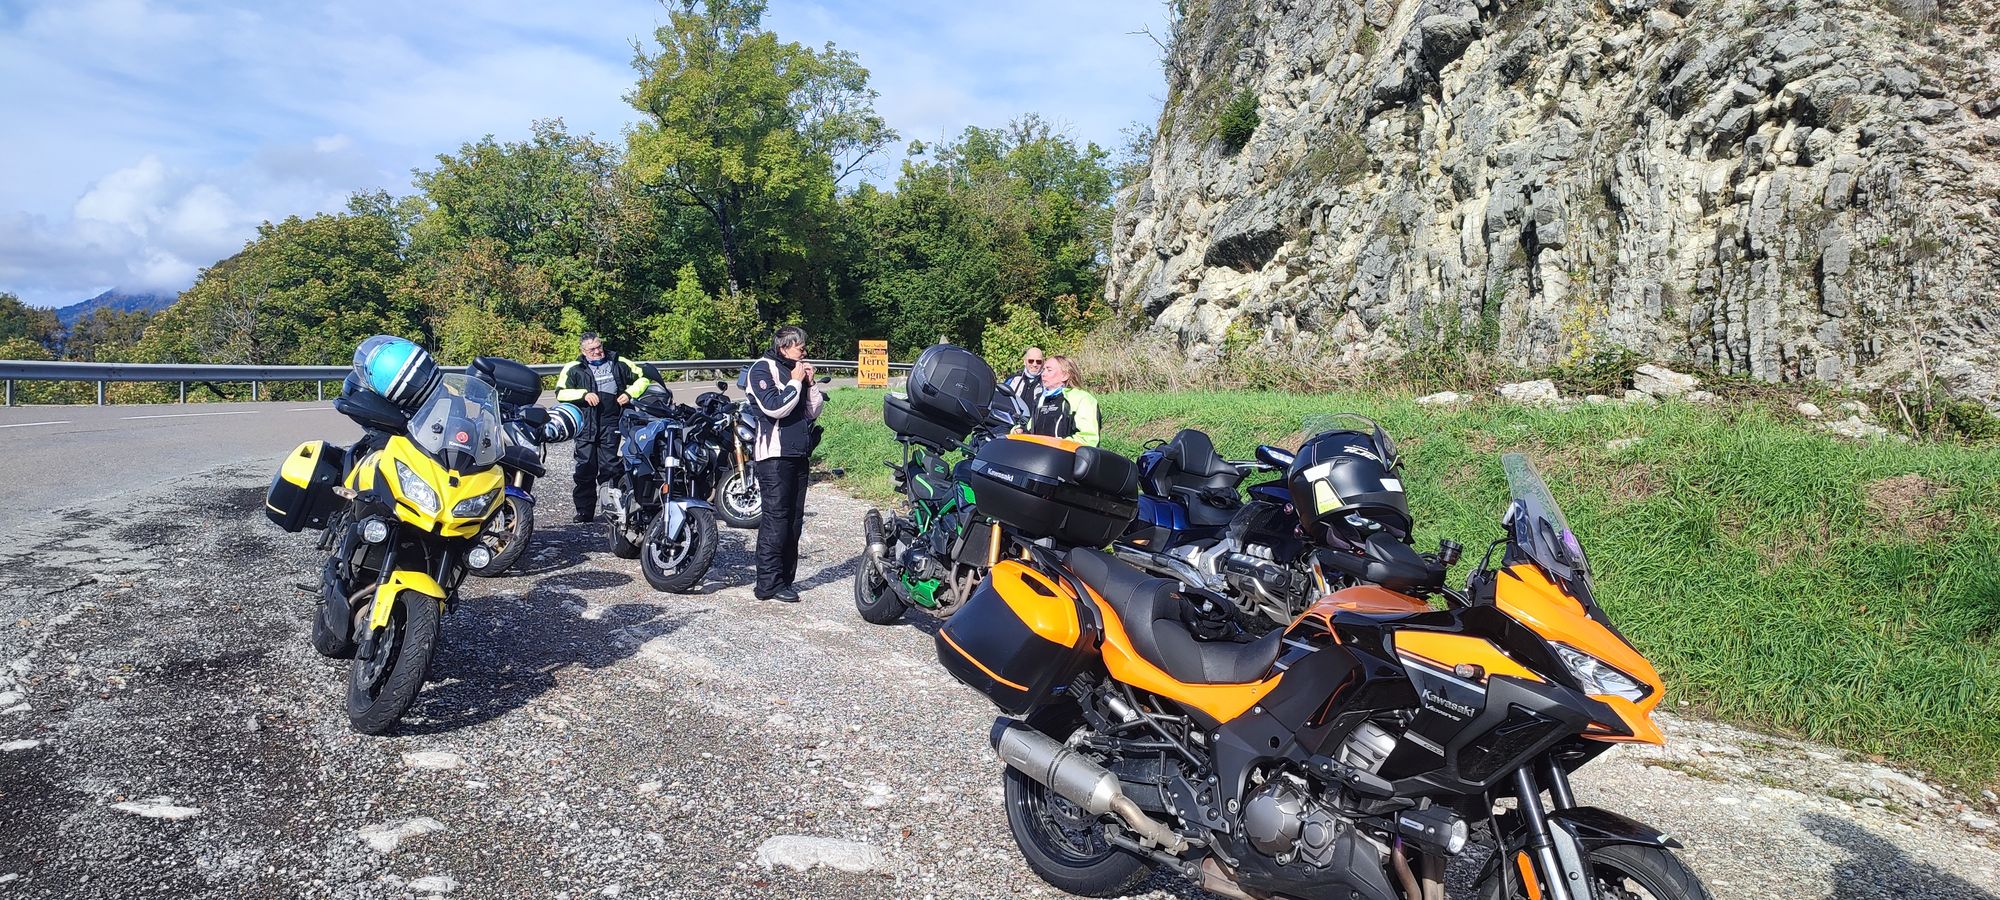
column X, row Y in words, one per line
column 145, row 139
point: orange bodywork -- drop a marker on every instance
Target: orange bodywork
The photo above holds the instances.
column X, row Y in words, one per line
column 1448, row 651
column 1045, row 440
column 1526, row 594
column 1366, row 599
column 1221, row 702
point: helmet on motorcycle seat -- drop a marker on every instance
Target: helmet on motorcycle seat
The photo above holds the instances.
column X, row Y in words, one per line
column 564, row 420
column 657, row 402
column 398, row 370
column 1346, row 483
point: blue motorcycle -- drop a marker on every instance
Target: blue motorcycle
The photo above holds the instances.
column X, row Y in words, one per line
column 659, row 512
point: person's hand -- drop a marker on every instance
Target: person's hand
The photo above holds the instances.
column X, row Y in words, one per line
column 801, row 371
column 809, row 370
column 624, row 399
column 590, row 398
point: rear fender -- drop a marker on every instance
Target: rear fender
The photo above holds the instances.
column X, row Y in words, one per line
column 399, row 581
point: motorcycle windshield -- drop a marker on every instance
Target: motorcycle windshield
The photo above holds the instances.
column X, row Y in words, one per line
column 1538, row 524
column 459, row 425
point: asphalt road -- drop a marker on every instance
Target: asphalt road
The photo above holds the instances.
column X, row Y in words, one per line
column 166, row 730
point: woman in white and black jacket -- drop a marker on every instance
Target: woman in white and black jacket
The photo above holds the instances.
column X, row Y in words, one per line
column 787, row 401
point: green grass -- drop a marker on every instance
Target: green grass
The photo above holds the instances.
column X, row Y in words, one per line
column 1735, row 547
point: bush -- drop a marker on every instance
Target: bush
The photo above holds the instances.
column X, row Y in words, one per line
column 1238, row 121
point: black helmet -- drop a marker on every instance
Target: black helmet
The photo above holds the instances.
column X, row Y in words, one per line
column 1346, row 482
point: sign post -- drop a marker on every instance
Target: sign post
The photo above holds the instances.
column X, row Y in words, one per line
column 874, row 371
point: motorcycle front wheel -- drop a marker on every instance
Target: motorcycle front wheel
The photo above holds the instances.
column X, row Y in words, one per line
column 738, row 500
column 677, row 567
column 1626, row 872
column 507, row 535
column 382, row 687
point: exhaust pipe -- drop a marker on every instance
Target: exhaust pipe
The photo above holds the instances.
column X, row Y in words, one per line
column 871, row 528
column 1077, row 779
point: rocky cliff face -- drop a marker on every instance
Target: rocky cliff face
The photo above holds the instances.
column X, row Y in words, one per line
column 1792, row 190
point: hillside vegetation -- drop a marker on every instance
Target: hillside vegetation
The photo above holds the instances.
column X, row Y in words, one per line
column 1778, row 577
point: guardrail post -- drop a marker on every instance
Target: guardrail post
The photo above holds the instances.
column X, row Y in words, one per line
column 320, row 386
column 184, row 390
column 10, row 392
column 100, row 393
column 253, row 390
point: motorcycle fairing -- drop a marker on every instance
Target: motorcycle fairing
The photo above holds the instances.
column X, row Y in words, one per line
column 452, row 487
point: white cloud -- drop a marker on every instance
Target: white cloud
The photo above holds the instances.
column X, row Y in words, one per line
column 165, row 130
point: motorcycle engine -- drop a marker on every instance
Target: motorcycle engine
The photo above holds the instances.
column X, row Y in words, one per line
column 1285, row 818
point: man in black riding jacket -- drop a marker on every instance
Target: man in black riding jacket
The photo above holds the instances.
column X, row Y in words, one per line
column 600, row 383
column 787, row 401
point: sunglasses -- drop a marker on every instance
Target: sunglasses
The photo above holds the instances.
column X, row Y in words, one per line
column 1032, row 362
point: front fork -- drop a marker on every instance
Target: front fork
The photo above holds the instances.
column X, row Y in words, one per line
column 1563, row 874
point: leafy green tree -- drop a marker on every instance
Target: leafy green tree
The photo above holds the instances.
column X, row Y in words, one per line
column 304, row 292
column 106, row 335
column 19, row 320
column 753, row 133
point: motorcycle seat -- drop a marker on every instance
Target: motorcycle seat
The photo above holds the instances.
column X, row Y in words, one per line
column 1204, row 512
column 1154, row 616
column 1189, row 461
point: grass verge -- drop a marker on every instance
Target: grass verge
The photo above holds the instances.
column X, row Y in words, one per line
column 1779, row 577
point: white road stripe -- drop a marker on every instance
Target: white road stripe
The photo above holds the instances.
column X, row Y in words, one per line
column 32, row 424
column 240, row 412
column 308, row 408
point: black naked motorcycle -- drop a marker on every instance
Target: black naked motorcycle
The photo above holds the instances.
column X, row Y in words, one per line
column 659, row 512
column 730, row 429
column 528, row 429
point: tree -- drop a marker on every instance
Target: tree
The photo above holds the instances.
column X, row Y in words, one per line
column 304, row 292
column 106, row 335
column 754, row 133
column 20, row 321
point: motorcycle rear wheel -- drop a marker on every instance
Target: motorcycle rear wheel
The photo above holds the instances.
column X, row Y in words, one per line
column 738, row 499
column 380, row 690
column 677, row 567
column 1061, row 841
column 1629, row 872
column 874, row 598
column 620, row 547
column 507, row 535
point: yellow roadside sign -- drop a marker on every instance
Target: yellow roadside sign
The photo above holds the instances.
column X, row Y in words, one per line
column 874, row 360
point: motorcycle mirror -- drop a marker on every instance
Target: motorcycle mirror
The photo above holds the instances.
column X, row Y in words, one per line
column 823, row 379
column 722, row 386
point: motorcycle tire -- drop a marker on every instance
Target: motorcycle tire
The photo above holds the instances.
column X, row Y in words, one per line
column 333, row 617
column 380, row 691
column 1616, row 870
column 678, row 573
column 1060, row 841
column 620, row 547
column 507, row 535
column 873, row 597
column 738, row 500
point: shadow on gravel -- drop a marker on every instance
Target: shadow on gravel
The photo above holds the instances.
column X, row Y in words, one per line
column 561, row 547
column 1877, row 868
column 833, row 574
column 498, row 655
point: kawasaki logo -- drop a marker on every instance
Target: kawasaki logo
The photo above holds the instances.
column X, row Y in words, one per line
column 1446, row 705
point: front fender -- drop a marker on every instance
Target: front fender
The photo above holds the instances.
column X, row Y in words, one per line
column 399, row 581
column 1593, row 827
column 676, row 513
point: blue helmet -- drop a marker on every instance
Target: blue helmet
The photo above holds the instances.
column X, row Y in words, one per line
column 400, row 371
column 564, row 420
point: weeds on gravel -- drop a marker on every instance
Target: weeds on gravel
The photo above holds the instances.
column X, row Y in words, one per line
column 1761, row 565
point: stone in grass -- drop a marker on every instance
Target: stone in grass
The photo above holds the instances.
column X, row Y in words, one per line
column 1537, row 391
column 1809, row 409
column 1640, row 398
column 1596, row 399
column 386, row 837
column 1443, row 398
column 799, row 852
column 1699, row 397
column 1622, row 443
column 1853, row 427
column 157, row 808
column 1660, row 381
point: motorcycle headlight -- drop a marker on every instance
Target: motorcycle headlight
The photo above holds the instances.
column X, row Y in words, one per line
column 416, row 490
column 374, row 530
column 474, row 507
column 1598, row 677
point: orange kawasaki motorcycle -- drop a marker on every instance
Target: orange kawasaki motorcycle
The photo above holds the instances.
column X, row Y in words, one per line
column 1350, row 755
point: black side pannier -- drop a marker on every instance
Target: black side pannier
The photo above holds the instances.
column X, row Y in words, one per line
column 1051, row 488
column 301, row 494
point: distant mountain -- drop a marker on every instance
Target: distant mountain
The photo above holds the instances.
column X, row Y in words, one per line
column 116, row 300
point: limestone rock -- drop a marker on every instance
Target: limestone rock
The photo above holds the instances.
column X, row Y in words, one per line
column 1854, row 427
column 1663, row 382
column 1443, row 398
column 1539, row 391
column 1787, row 201
column 1809, row 409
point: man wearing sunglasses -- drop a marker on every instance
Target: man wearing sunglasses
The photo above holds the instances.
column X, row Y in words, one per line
column 600, row 383
column 1025, row 386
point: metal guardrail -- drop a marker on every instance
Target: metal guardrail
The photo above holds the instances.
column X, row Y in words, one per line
column 101, row 373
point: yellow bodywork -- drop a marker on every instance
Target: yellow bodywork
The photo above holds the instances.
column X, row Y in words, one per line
column 399, row 581
column 451, row 487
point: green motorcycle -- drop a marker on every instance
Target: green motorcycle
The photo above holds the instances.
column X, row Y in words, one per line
column 934, row 552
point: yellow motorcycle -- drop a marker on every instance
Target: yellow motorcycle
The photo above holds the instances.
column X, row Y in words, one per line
column 415, row 500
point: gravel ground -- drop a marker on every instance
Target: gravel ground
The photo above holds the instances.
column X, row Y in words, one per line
column 585, row 736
